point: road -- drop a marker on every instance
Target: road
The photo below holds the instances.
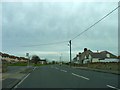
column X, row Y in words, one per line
column 14, row 69
column 55, row 76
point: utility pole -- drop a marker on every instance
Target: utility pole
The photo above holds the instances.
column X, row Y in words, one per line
column 70, row 52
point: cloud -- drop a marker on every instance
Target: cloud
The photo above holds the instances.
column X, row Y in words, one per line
column 47, row 22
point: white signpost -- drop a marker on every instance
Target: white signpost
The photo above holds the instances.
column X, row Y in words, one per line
column 27, row 55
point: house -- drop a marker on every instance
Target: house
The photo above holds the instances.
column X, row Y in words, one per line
column 12, row 58
column 23, row 59
column 76, row 59
column 88, row 56
column 118, row 57
column 43, row 61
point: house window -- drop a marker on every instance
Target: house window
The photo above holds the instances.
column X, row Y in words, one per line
column 90, row 56
column 108, row 55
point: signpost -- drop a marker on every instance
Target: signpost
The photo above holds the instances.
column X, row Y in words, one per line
column 28, row 64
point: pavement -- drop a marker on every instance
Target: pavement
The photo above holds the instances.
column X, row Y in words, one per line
column 13, row 76
column 55, row 76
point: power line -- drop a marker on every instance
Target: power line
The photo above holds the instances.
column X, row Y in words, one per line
column 78, row 34
column 95, row 23
column 46, row 44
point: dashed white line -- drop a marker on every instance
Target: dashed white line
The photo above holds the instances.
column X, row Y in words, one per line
column 63, row 70
column 113, row 87
column 80, row 76
column 21, row 81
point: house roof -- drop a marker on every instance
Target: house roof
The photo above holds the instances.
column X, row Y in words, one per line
column 100, row 55
column 43, row 60
column 97, row 55
column 12, row 56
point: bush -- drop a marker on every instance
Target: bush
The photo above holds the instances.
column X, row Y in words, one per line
column 17, row 64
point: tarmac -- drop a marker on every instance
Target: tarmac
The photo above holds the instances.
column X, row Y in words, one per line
column 10, row 79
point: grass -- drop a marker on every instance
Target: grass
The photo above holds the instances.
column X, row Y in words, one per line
column 25, row 64
column 17, row 64
column 102, row 65
column 4, row 67
column 40, row 64
column 28, row 70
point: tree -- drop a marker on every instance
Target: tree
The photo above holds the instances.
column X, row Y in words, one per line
column 35, row 59
column 53, row 62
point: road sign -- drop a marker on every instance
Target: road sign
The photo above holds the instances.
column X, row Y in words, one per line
column 27, row 54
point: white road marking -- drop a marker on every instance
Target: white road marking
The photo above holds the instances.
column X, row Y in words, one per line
column 113, row 87
column 63, row 70
column 34, row 68
column 56, row 68
column 21, row 81
column 80, row 76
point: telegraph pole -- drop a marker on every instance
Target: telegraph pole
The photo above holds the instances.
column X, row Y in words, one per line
column 70, row 52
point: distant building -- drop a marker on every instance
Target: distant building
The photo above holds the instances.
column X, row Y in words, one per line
column 12, row 58
column 43, row 61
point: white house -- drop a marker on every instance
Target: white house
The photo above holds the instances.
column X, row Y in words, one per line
column 88, row 57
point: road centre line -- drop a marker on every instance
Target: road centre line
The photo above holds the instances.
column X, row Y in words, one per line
column 80, row 76
column 63, row 70
column 22, row 80
column 113, row 87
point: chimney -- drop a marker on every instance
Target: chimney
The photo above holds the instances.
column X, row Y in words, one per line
column 85, row 49
column 79, row 53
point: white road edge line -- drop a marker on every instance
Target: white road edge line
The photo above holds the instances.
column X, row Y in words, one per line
column 22, row 80
column 63, row 70
column 113, row 87
column 80, row 76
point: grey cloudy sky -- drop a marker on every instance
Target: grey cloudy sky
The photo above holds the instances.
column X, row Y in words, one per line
column 28, row 23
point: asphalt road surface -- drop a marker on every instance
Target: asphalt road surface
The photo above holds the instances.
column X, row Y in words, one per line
column 55, row 76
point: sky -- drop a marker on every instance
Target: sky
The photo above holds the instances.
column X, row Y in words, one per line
column 27, row 25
